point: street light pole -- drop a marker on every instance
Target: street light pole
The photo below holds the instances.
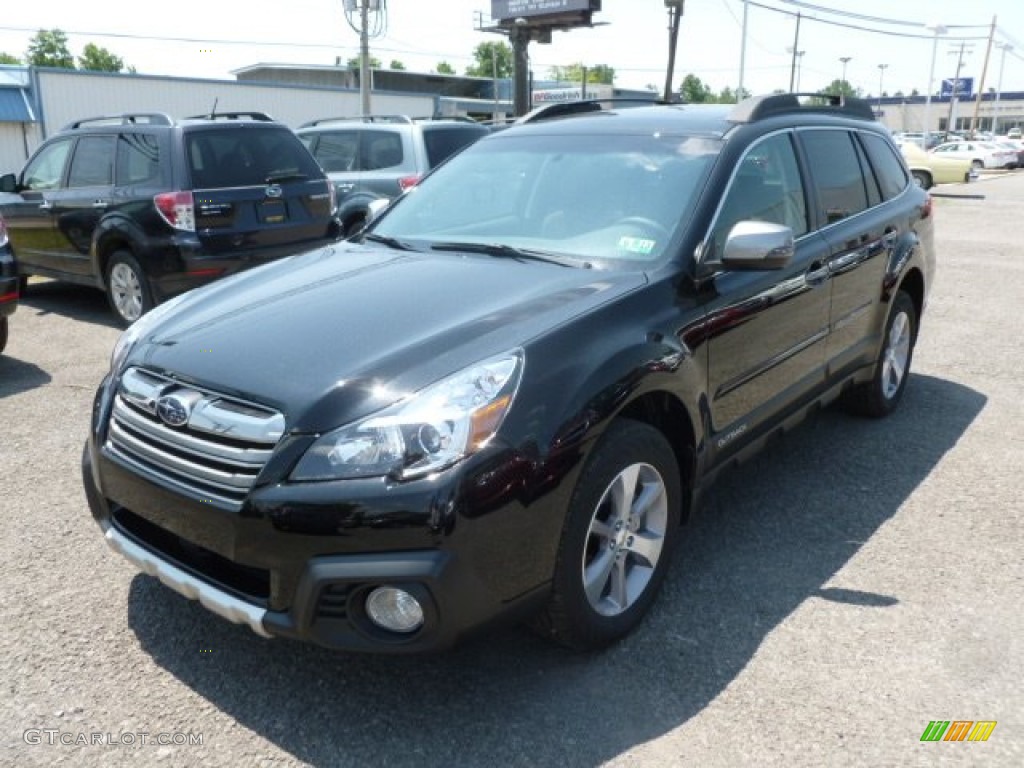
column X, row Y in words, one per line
column 881, row 74
column 846, row 60
column 1004, row 47
column 743, row 52
column 675, row 11
column 937, row 29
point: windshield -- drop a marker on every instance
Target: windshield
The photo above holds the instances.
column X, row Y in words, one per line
column 603, row 201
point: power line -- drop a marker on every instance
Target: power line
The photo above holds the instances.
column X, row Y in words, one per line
column 877, row 19
column 860, row 28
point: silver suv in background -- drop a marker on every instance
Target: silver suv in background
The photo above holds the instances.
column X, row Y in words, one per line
column 380, row 156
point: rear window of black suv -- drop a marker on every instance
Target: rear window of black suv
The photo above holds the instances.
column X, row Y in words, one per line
column 246, row 156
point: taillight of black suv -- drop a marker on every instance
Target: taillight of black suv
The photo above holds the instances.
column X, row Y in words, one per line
column 146, row 207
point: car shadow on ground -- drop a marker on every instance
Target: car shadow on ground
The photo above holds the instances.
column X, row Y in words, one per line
column 17, row 376
column 78, row 302
column 771, row 535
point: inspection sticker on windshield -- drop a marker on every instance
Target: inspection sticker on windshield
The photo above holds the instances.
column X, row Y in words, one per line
column 639, row 245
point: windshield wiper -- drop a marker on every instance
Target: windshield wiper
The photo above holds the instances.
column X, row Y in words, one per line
column 277, row 178
column 390, row 242
column 509, row 252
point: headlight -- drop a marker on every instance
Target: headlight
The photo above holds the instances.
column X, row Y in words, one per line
column 424, row 433
column 138, row 329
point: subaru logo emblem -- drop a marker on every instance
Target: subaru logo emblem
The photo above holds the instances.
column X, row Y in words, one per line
column 273, row 190
column 172, row 410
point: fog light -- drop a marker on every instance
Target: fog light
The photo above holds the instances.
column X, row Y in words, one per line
column 394, row 609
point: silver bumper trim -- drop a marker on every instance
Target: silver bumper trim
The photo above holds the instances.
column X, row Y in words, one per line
column 185, row 584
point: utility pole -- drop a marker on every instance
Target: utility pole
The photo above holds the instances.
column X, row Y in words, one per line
column 364, row 57
column 938, row 29
column 796, row 45
column 984, row 72
column 1005, row 47
column 956, row 88
column 881, row 74
column 675, row 12
column 799, row 64
column 743, row 52
column 846, row 60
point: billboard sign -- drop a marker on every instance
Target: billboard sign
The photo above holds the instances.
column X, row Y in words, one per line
column 964, row 87
column 515, row 9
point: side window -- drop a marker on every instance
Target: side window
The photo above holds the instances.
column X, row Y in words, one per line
column 138, row 160
column 47, row 168
column 337, row 150
column 93, row 162
column 889, row 170
column 837, row 171
column 766, row 187
column 382, row 149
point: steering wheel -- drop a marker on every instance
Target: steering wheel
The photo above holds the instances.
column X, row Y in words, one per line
column 652, row 226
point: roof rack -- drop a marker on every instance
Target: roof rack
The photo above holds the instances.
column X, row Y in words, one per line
column 359, row 119
column 127, row 118
column 570, row 108
column 760, row 107
column 262, row 117
column 444, row 118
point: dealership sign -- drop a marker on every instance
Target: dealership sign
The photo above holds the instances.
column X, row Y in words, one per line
column 555, row 95
column 514, row 9
column 964, row 87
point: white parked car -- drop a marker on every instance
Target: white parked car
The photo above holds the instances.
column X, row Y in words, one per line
column 982, row 154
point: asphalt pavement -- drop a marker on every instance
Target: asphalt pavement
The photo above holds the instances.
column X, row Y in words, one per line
column 853, row 583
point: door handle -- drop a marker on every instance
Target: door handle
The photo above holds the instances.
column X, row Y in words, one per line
column 817, row 274
column 890, row 236
column 344, row 187
column 45, row 205
column 100, row 204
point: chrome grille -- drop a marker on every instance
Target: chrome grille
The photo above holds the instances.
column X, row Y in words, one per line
column 217, row 452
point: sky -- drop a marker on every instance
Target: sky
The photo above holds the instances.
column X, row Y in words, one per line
column 210, row 38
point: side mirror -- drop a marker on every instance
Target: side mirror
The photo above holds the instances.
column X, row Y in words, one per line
column 758, row 245
column 375, row 209
column 9, row 183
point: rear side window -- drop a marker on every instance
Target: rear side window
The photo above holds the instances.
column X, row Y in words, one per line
column 138, row 160
column 837, row 171
column 892, row 178
column 382, row 149
column 92, row 165
column 337, row 150
column 247, row 155
column 443, row 143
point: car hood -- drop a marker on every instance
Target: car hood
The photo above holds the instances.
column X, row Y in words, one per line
column 336, row 333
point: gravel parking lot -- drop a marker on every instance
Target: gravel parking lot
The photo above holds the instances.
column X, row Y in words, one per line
column 854, row 582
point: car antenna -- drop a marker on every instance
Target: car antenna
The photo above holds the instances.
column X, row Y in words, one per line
column 213, row 109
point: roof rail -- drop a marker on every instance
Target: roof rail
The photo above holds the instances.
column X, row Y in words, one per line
column 262, row 117
column 127, row 118
column 760, row 107
column 443, row 118
column 570, row 108
column 359, row 119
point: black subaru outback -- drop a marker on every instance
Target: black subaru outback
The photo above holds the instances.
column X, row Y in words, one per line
column 145, row 207
column 503, row 400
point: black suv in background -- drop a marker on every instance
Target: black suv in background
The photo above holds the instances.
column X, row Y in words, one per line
column 145, row 207
column 504, row 397
column 380, row 156
column 9, row 284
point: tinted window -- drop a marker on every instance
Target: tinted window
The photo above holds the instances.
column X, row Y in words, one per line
column 892, row 178
column 765, row 187
column 138, row 160
column 46, row 168
column 337, row 150
column 382, row 149
column 837, row 171
column 247, row 155
column 93, row 162
column 443, row 143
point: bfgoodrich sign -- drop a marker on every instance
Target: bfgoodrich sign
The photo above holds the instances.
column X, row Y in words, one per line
column 512, row 9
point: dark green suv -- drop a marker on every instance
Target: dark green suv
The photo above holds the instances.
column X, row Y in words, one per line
column 146, row 207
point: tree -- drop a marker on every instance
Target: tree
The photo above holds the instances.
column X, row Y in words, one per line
column 728, row 96
column 693, row 91
column 99, row 59
column 493, row 59
column 573, row 73
column 840, row 88
column 353, row 63
column 6, row 58
column 444, row 68
column 49, row 48
column 396, row 64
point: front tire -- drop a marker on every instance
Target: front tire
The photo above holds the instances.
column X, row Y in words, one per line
column 880, row 396
column 621, row 528
column 127, row 289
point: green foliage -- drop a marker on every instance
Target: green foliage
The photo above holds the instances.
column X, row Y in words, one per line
column 99, row 59
column 444, row 68
column 497, row 52
column 841, row 88
column 353, row 63
column 6, row 58
column 49, row 48
column 600, row 74
column 693, row 91
column 396, row 64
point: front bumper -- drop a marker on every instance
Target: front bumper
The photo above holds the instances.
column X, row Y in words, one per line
column 297, row 561
column 8, row 282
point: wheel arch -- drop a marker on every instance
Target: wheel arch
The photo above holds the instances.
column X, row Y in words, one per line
column 913, row 285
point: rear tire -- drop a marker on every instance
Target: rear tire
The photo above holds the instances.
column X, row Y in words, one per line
column 977, row 165
column 3, row 334
column 880, row 396
column 620, row 530
column 127, row 289
column 922, row 179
